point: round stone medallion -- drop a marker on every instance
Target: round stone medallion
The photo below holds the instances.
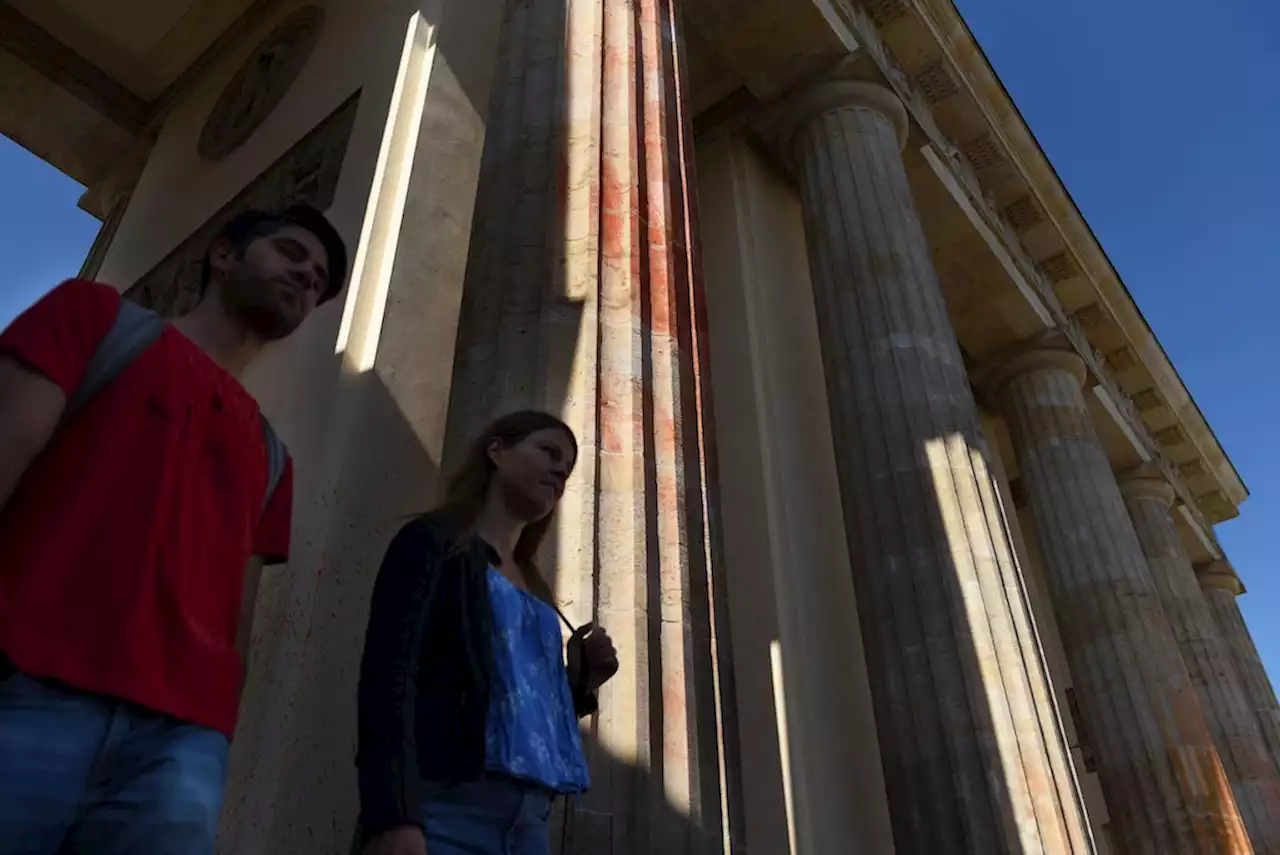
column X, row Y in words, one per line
column 261, row 83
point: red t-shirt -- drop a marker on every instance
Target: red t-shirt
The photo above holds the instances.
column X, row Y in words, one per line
column 123, row 550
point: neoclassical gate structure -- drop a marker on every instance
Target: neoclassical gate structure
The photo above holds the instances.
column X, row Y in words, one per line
column 898, row 512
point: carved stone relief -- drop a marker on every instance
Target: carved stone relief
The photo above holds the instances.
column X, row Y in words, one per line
column 305, row 174
column 261, row 83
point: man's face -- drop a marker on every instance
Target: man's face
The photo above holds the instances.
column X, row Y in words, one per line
column 276, row 282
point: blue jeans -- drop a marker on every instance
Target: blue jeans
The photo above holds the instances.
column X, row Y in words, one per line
column 494, row 816
column 84, row 774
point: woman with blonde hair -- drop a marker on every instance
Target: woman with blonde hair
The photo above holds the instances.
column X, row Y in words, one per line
column 467, row 708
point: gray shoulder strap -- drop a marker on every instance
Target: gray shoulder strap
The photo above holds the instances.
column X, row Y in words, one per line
column 277, row 454
column 133, row 331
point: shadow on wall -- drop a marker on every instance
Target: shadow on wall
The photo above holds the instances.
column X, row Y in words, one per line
column 292, row 766
column 655, row 826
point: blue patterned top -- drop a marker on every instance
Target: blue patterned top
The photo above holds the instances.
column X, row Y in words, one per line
column 532, row 731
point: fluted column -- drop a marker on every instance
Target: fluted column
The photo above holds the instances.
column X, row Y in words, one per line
column 583, row 297
column 1253, row 775
column 1165, row 787
column 973, row 753
column 1221, row 586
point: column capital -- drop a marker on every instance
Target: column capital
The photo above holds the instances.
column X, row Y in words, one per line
column 119, row 182
column 1219, row 575
column 1031, row 360
column 858, row 94
column 1147, row 482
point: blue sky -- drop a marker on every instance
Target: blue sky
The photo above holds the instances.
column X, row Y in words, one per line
column 1162, row 121
column 1161, row 117
column 44, row 237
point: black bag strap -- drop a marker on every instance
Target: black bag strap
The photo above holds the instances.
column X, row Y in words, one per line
column 134, row 330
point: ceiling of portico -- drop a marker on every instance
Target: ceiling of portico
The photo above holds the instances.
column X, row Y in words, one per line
column 54, row 124
column 761, row 47
column 83, row 82
column 144, row 45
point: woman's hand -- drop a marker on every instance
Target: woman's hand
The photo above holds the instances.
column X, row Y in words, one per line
column 402, row 840
column 590, row 648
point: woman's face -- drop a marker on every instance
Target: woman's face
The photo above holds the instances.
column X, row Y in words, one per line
column 532, row 472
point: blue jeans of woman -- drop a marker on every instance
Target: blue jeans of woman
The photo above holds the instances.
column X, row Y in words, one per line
column 493, row 816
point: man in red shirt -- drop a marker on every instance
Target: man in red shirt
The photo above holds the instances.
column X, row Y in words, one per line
column 132, row 536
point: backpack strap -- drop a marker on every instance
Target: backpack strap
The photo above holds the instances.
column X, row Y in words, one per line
column 277, row 455
column 134, row 330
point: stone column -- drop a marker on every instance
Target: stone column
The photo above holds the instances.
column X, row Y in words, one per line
column 1164, row 784
column 110, row 196
column 583, row 297
column 1221, row 586
column 1253, row 775
column 106, row 234
column 973, row 754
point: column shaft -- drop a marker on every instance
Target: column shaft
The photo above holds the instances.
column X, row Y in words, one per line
column 1164, row 784
column 1254, row 777
column 973, row 753
column 1221, row 587
column 583, row 298
column 106, row 234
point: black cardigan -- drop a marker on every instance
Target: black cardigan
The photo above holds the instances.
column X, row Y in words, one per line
column 426, row 672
